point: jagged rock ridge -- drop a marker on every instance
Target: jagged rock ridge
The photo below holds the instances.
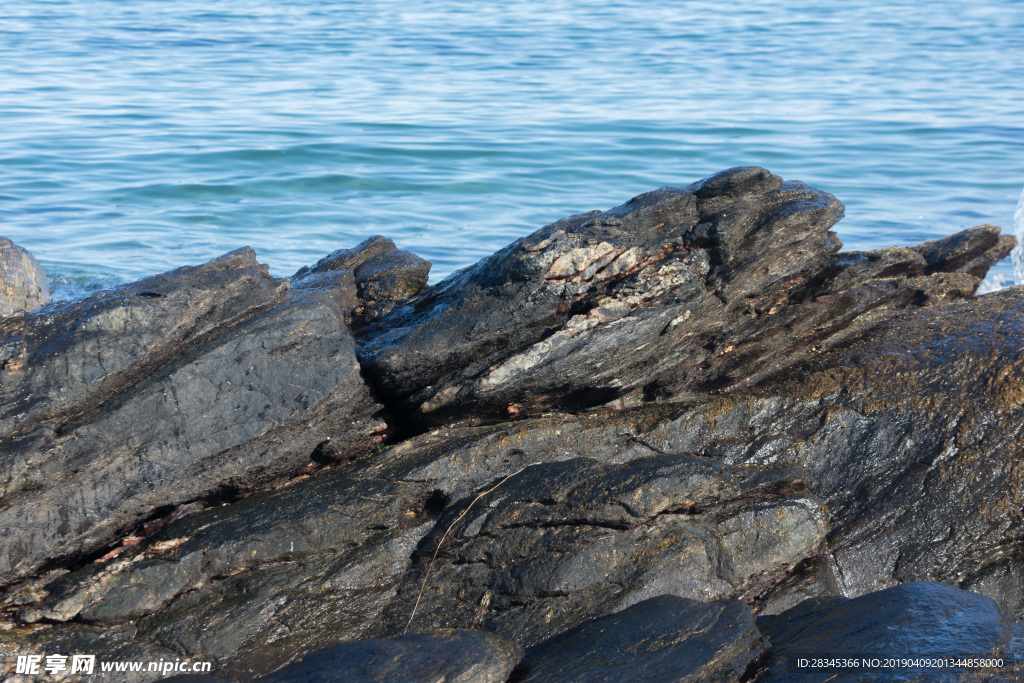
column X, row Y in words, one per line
column 839, row 423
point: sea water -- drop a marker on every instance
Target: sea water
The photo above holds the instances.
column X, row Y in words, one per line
column 139, row 136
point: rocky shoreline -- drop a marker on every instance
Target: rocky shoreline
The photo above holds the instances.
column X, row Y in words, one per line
column 686, row 439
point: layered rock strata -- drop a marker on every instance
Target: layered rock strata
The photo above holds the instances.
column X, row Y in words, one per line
column 681, row 290
column 790, row 428
column 199, row 384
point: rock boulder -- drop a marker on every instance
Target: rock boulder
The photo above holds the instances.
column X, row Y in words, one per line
column 196, row 385
column 23, row 284
column 681, row 290
column 666, row 638
column 915, row 621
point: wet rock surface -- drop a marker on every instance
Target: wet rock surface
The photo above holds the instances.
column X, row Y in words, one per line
column 666, row 638
column 911, row 438
column 558, row 543
column 342, row 555
column 199, row 383
column 371, row 278
column 449, row 656
column 23, row 284
column 677, row 291
column 919, row 620
column 791, row 427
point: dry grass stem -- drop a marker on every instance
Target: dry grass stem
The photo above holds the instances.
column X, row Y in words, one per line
column 430, row 567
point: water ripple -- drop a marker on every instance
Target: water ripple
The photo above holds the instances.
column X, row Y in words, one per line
column 140, row 136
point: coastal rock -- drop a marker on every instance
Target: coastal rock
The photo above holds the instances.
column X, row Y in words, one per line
column 340, row 284
column 866, row 436
column 971, row 251
column 443, row 656
column 812, row 578
column 23, row 284
column 919, row 620
column 340, row 556
column 665, row 638
column 199, row 384
column 449, row 656
column 534, row 554
column 681, row 290
column 348, row 259
column 371, row 507
column 374, row 276
column 909, row 435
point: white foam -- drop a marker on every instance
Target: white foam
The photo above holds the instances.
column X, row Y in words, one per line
column 1018, row 253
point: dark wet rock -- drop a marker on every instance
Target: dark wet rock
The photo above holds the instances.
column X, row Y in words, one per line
column 909, row 435
column 681, row 290
column 348, row 259
column 914, row 620
column 309, row 522
column 108, row 645
column 972, row 251
column 23, row 284
column 340, row 284
column 387, row 279
column 801, row 378
column 334, row 557
column 373, row 276
column 544, row 549
column 369, row 506
column 812, row 578
column 665, row 638
column 203, row 382
column 449, row 656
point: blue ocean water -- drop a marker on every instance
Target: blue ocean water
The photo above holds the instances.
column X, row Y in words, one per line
column 139, row 136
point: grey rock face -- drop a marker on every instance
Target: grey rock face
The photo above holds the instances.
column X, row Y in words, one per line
column 23, row 284
column 341, row 555
column 914, row 620
column 801, row 378
column 972, row 251
column 348, row 259
column 680, row 290
column 888, row 428
column 666, row 638
column 561, row 542
column 374, row 276
column 449, row 656
column 812, row 578
column 201, row 382
column 910, row 436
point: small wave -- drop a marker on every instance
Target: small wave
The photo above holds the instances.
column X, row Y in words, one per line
column 994, row 282
column 76, row 284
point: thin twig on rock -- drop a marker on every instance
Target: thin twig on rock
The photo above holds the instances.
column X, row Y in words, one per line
column 426, row 576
